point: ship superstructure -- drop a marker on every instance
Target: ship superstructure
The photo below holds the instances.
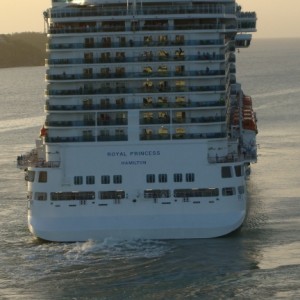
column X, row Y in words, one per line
column 147, row 133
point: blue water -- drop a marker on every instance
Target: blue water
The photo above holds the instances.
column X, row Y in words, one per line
column 262, row 261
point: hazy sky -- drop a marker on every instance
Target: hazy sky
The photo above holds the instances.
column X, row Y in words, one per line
column 276, row 18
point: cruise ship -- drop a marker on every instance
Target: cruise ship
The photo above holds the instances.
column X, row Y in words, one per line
column 147, row 133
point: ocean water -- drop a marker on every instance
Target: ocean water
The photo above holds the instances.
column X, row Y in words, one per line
column 262, row 261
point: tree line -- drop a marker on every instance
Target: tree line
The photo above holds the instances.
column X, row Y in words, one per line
column 22, row 49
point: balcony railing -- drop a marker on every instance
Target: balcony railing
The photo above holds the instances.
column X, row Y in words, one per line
column 92, row 107
column 121, row 10
column 176, row 136
column 94, row 29
column 141, row 58
column 166, row 120
column 82, row 139
column 31, row 159
column 116, row 90
column 131, row 44
column 91, row 123
column 183, row 74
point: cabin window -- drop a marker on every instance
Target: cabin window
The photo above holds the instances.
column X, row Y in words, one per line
column 122, row 41
column 117, row 179
column 179, row 70
column 177, row 177
column 162, row 177
column 90, row 179
column 147, row 40
column 162, row 69
column 147, row 101
column 226, row 172
column 89, row 42
column 189, row 177
column 163, row 55
column 205, row 192
column 228, row 191
column 105, row 179
column 238, row 171
column 147, row 70
column 88, row 73
column 163, row 39
column 43, row 176
column 157, row 194
column 148, row 117
column 179, row 39
column 105, row 56
column 241, row 190
column 55, row 196
column 30, row 176
column 106, row 41
column 40, row 196
column 78, row 180
column 150, row 178
column 88, row 57
column 112, row 195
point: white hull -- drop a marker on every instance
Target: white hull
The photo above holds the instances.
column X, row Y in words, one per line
column 136, row 216
column 183, row 225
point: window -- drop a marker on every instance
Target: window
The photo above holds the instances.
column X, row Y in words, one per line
column 90, row 179
column 147, row 40
column 163, row 132
column 117, row 179
column 226, row 172
column 238, row 171
column 78, row 180
column 205, row 192
column 148, row 117
column 162, row 177
column 163, row 39
column 177, row 177
column 43, row 176
column 105, row 179
column 30, row 176
column 112, row 195
column 179, row 70
column 228, row 191
column 56, row 196
column 105, row 56
column 88, row 57
column 147, row 70
column 40, row 196
column 189, row 177
column 150, row 178
column 157, row 194
column 180, row 85
column 241, row 190
column 88, row 73
column 179, row 39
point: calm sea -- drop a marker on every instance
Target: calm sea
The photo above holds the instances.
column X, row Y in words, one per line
column 260, row 262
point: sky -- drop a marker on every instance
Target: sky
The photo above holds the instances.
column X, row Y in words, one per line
column 276, row 18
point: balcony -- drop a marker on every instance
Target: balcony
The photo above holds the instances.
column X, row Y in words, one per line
column 185, row 136
column 152, row 105
column 130, row 44
column 151, row 10
column 68, row 77
column 141, row 58
column 125, row 90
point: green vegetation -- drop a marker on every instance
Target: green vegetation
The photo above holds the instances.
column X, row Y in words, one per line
column 22, row 49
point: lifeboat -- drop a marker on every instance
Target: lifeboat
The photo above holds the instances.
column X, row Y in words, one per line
column 249, row 124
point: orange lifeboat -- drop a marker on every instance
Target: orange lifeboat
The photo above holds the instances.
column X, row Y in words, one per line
column 43, row 132
column 249, row 124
